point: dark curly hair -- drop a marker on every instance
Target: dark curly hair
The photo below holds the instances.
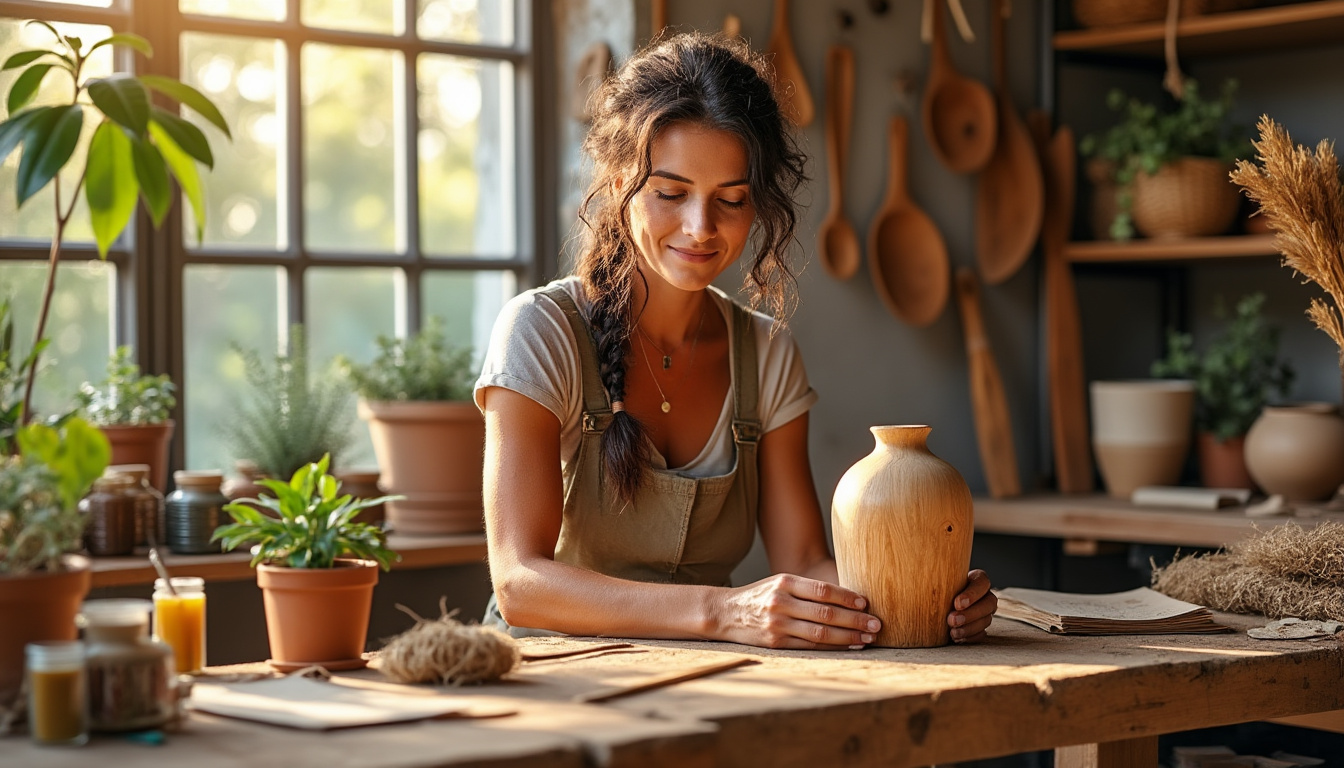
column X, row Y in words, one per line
column 709, row 80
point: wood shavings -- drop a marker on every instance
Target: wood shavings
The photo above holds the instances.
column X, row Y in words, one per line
column 448, row 652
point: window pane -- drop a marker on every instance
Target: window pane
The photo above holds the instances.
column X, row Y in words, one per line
column 377, row 16
column 224, row 305
column 37, row 217
column 351, row 193
column 466, row 148
column 348, row 308
column 79, row 325
column 466, row 21
column 267, row 10
column 468, row 302
column 244, row 77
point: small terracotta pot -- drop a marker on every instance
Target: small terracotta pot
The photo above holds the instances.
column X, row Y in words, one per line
column 1141, row 432
column 36, row 607
column 143, row 444
column 1222, row 464
column 317, row 615
column 1297, row 451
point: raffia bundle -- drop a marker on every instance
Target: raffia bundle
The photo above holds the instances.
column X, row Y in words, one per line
column 448, row 652
column 1286, row 571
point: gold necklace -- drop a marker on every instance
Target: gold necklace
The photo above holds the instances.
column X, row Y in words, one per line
column 667, row 406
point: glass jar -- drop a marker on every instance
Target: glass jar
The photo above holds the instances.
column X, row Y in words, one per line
column 148, row 503
column 110, row 509
column 194, row 510
column 179, row 620
column 132, row 679
column 58, row 694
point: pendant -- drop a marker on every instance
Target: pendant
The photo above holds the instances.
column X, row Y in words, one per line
column 667, row 362
column 666, row 406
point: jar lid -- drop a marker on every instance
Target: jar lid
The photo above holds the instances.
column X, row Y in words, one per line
column 198, row 478
column 114, row 612
column 55, row 653
column 137, row 472
column 113, row 481
column 189, row 583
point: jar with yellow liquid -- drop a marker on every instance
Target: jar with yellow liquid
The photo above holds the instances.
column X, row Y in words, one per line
column 58, row 696
column 179, row 620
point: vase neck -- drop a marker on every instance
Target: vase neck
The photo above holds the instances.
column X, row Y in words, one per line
column 902, row 435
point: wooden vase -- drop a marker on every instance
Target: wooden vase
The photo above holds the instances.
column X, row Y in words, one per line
column 902, row 520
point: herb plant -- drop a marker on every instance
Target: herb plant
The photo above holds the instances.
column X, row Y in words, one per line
column 13, row 373
column 1236, row 375
column 424, row 367
column 312, row 527
column 126, row 397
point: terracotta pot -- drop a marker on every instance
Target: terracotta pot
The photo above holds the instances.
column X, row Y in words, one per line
column 1297, row 451
column 244, row 485
column 1222, row 464
column 1107, row 13
column 902, row 522
column 1141, row 432
column 363, row 484
column 317, row 615
column 35, row 607
column 143, row 444
column 432, row 453
column 1191, row 197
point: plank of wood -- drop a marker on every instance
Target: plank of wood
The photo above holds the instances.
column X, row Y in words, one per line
column 1170, row 249
column 1130, row 753
column 661, row 681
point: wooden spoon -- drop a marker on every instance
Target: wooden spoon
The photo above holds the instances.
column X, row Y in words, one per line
column 796, row 98
column 993, row 428
column 959, row 117
column 657, row 18
column 906, row 252
column 1010, row 196
column 837, row 242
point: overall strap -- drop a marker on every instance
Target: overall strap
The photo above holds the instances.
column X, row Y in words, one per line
column 746, row 390
column 596, row 408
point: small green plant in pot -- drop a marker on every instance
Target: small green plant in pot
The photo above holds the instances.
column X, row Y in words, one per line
column 428, row 436
column 1235, row 377
column 316, row 565
column 132, row 409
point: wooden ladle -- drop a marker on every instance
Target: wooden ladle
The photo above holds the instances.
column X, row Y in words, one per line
column 1010, row 196
column 837, row 242
column 959, row 116
column 906, row 252
column 795, row 94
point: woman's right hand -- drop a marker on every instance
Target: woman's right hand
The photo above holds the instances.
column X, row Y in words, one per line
column 787, row 611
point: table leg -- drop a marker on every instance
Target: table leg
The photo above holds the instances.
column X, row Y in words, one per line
column 1129, row 753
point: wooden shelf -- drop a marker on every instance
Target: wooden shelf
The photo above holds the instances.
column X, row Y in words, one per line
column 1185, row 249
column 415, row 551
column 1298, row 25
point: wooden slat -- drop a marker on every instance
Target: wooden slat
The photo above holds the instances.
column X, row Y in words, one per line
column 1170, row 249
column 1130, row 753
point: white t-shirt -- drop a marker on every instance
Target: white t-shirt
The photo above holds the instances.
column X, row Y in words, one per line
column 534, row 353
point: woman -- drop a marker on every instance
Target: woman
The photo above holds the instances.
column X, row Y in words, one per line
column 640, row 425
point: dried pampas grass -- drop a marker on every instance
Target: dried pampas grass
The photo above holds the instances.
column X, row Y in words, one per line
column 448, row 652
column 1299, row 193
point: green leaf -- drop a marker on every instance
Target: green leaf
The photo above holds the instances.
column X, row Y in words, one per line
column 24, row 57
column 25, row 87
column 49, row 141
column 77, row 454
column 152, row 175
column 185, row 135
column 184, row 170
column 190, row 97
column 109, row 184
column 75, row 43
column 124, row 99
column 129, row 40
column 11, row 130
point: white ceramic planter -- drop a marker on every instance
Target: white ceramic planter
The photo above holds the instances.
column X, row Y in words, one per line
column 1141, row 431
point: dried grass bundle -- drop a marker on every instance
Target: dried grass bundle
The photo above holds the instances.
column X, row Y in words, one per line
column 1299, row 192
column 448, row 652
column 1315, row 555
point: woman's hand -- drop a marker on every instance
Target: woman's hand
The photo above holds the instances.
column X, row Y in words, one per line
column 973, row 609
column 787, row 611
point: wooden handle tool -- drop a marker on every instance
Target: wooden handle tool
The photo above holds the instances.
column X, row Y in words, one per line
column 993, row 428
column 662, row 681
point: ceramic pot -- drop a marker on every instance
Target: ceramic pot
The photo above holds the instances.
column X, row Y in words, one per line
column 1297, row 451
column 1222, row 463
column 1141, row 432
column 318, row 615
column 902, row 522
column 143, row 444
column 35, row 607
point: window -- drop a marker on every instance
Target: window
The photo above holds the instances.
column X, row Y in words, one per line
column 378, row 174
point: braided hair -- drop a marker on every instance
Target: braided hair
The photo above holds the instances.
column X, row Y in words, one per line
column 712, row 81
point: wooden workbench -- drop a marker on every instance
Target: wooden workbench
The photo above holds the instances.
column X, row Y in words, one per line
column 1102, row 701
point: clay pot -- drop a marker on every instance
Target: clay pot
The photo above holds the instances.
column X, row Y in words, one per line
column 318, row 615
column 1191, row 197
column 433, row 454
column 36, row 607
column 1297, row 451
column 143, row 444
column 1141, row 432
column 902, row 522
column 1222, row 463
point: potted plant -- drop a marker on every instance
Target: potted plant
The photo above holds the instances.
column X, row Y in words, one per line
column 427, row 434
column 316, row 566
column 1235, row 378
column 1170, row 168
column 41, row 583
column 132, row 409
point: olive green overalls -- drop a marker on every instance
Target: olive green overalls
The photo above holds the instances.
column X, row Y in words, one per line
column 680, row 529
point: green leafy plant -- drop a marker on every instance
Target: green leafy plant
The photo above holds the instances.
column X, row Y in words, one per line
column 312, row 527
column 40, row 489
column 135, row 149
column 288, row 417
column 424, row 367
column 1236, row 375
column 126, row 396
column 13, row 373
column 1147, row 138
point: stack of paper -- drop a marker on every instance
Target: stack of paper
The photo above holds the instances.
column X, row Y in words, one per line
column 1136, row 612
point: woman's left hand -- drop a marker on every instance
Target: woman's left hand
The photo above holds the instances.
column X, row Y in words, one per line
column 973, row 609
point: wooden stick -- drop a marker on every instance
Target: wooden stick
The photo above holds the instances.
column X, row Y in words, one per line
column 542, row 656
column 661, row 681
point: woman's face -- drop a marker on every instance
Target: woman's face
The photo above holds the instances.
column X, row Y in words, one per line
column 693, row 216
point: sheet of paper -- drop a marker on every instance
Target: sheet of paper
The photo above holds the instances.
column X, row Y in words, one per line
column 300, row 702
column 1140, row 604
